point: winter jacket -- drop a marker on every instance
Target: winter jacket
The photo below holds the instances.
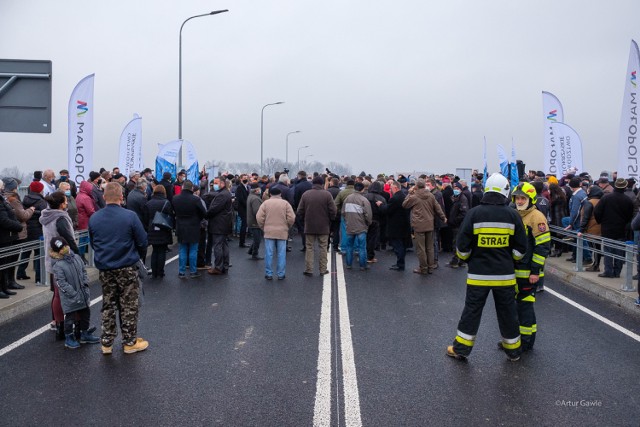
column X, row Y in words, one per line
column 343, row 195
column 317, row 209
column 253, row 204
column 156, row 235
column 614, row 213
column 575, row 203
column 302, row 186
column 85, row 204
column 72, row 210
column 117, row 238
column 9, row 225
column 374, row 196
column 398, row 225
column 21, row 213
column 98, row 197
column 423, row 207
column 241, row 195
column 491, row 237
column 72, row 281
column 588, row 223
column 459, row 210
column 168, row 186
column 274, row 217
column 357, row 214
column 136, row 201
column 34, row 229
column 56, row 222
column 189, row 211
column 220, row 213
column 538, row 243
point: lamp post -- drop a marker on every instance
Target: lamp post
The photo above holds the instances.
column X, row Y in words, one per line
column 300, row 148
column 262, row 132
column 287, row 154
column 215, row 12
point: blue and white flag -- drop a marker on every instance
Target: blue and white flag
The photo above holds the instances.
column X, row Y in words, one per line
column 130, row 156
column 191, row 164
column 167, row 158
column 628, row 143
column 514, row 179
column 503, row 161
column 552, row 112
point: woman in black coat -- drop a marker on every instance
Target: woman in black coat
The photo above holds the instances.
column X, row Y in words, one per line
column 158, row 238
column 34, row 229
column 9, row 229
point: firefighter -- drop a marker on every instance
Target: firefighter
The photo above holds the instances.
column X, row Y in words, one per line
column 490, row 238
column 529, row 270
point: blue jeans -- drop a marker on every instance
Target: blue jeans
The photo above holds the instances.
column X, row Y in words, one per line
column 586, row 253
column 280, row 246
column 612, row 267
column 343, row 234
column 359, row 241
column 187, row 251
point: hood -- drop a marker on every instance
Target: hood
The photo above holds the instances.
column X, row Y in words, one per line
column 375, row 187
column 595, row 192
column 31, row 199
column 86, row 187
column 50, row 215
column 422, row 193
column 65, row 254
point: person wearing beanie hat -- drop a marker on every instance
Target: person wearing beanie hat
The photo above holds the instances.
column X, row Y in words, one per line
column 316, row 211
column 93, row 176
column 72, row 283
column 10, row 184
column 613, row 213
column 36, row 200
column 275, row 216
column 97, row 193
column 552, row 180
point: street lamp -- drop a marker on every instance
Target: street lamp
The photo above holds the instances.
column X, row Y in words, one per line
column 215, row 12
column 300, row 148
column 287, row 154
column 262, row 132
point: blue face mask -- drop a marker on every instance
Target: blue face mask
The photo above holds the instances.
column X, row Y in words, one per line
column 67, row 193
column 456, row 192
column 216, row 187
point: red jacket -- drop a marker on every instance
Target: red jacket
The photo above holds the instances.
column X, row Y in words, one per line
column 86, row 207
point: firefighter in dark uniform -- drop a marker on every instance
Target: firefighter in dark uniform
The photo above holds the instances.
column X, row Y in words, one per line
column 529, row 270
column 490, row 239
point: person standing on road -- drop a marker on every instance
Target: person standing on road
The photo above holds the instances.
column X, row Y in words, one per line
column 398, row 225
column 614, row 212
column 72, row 282
column 490, row 238
column 189, row 211
column 118, row 238
column 530, row 269
column 356, row 211
column 316, row 210
column 158, row 238
column 275, row 216
column 9, row 229
column 423, row 208
column 220, row 214
column 253, row 205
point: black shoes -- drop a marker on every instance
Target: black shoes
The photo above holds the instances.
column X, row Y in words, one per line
column 307, row 273
column 396, row 268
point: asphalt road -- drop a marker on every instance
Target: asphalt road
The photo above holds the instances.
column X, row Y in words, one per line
column 241, row 351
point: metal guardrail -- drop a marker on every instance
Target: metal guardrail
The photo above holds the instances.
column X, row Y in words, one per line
column 590, row 242
column 19, row 249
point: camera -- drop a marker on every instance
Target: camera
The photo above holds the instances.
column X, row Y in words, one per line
column 286, row 171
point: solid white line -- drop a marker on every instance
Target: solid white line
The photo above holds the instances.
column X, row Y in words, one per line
column 594, row 314
column 322, row 408
column 349, row 378
column 45, row 328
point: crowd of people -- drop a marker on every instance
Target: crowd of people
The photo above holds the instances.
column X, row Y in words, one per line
column 357, row 216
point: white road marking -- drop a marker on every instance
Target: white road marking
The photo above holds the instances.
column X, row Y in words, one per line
column 322, row 408
column 349, row 377
column 45, row 328
column 593, row 314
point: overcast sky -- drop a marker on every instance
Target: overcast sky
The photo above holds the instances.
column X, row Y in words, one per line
column 383, row 86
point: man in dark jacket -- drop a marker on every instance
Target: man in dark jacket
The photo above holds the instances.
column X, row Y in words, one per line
column 136, row 200
column 96, row 191
column 34, row 229
column 334, row 189
column 189, row 211
column 253, row 204
column 9, row 229
column 614, row 213
column 168, row 186
column 398, row 225
column 220, row 215
column 302, row 185
column 117, row 238
column 316, row 210
column 374, row 195
column 242, row 193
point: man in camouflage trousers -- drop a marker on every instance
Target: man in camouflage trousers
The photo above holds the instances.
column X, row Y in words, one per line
column 118, row 239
